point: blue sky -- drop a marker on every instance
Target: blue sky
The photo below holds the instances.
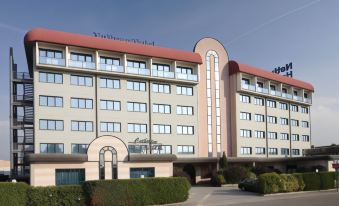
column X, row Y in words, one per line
column 263, row 33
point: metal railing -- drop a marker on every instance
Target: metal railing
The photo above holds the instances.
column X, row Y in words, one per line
column 189, row 77
column 139, row 71
column 111, row 68
column 52, row 61
column 22, row 97
column 22, row 75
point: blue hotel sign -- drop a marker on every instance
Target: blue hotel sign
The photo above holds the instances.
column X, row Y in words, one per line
column 110, row 36
column 284, row 70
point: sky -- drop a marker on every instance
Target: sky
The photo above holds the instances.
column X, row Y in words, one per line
column 262, row 33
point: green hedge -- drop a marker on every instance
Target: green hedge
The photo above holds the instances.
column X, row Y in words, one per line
column 217, row 180
column 301, row 182
column 312, row 181
column 67, row 195
column 290, row 182
column 13, row 194
column 327, row 180
column 270, row 183
column 148, row 191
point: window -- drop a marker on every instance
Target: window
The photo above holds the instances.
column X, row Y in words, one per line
column 185, row 149
column 161, row 129
column 294, row 108
column 284, row 136
column 294, row 123
column 110, row 61
column 162, row 108
column 184, row 70
column 110, row 83
column 245, row 98
column 161, row 88
column 79, row 148
column 295, row 93
column 136, row 107
column 184, row 110
column 259, row 134
column 295, row 152
column 272, row 135
column 260, row 85
column 136, row 86
column 69, row 176
column 284, row 90
column 245, row 116
column 272, row 119
column 136, row 64
column 162, row 149
column 141, row 172
column 304, row 110
column 110, row 105
column 47, row 124
column 246, row 150
column 260, row 150
column 271, row 103
column 110, row 127
column 182, row 90
column 81, row 57
column 51, row 148
column 161, row 67
column 81, row 80
column 259, row 118
column 137, row 128
column 273, row 151
column 185, row 130
column 272, row 87
column 245, row 133
column 305, row 138
column 83, row 126
column 81, row 103
column 50, row 53
column 245, row 81
column 295, row 137
column 50, row 101
column 50, row 77
column 285, row 151
column 259, row 101
column 138, row 149
column 305, row 124
column 283, row 106
column 283, row 121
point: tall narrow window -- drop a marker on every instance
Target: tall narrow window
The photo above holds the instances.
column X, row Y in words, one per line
column 102, row 163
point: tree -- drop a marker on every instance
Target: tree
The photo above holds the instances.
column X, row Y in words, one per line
column 223, row 164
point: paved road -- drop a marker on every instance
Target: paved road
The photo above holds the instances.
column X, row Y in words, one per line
column 232, row 196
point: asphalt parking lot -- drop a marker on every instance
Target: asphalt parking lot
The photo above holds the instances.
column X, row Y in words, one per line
column 231, row 195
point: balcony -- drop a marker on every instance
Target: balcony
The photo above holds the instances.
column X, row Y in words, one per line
column 164, row 74
column 81, row 64
column 275, row 93
column 52, row 61
column 248, row 87
column 189, row 77
column 112, row 68
column 287, row 96
column 139, row 71
column 261, row 90
column 298, row 98
column 308, row 100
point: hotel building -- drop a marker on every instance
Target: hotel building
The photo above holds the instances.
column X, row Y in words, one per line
column 95, row 108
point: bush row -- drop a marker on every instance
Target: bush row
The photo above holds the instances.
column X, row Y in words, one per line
column 273, row 183
column 231, row 175
column 148, row 191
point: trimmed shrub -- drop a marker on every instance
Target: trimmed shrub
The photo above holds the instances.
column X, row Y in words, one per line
column 290, row 183
column 270, row 183
column 148, row 191
column 178, row 172
column 327, row 180
column 235, row 174
column 57, row 195
column 312, row 181
column 300, row 179
column 217, row 180
column 13, row 194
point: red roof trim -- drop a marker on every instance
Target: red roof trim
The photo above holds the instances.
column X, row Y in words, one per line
column 235, row 67
column 59, row 37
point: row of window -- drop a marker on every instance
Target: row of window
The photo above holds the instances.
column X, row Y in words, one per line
column 273, row 135
column 78, row 80
column 270, row 151
column 273, row 104
column 140, row 149
column 273, row 119
column 83, row 103
column 87, row 126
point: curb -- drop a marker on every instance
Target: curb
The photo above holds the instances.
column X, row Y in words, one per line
column 293, row 193
column 229, row 185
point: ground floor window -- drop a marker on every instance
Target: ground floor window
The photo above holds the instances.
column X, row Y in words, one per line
column 141, row 172
column 69, row 176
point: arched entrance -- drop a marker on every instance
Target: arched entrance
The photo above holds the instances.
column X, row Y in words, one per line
column 190, row 170
column 108, row 168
